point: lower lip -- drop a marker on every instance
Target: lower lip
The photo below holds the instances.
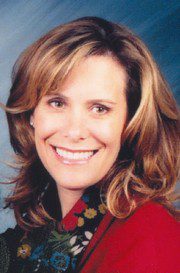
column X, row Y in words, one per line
column 67, row 161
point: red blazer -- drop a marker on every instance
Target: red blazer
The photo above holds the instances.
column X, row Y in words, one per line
column 147, row 242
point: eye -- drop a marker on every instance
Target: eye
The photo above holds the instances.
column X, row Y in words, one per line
column 56, row 103
column 101, row 109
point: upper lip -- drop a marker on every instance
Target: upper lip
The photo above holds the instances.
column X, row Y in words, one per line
column 74, row 151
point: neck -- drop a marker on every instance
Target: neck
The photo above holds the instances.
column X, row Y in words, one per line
column 68, row 199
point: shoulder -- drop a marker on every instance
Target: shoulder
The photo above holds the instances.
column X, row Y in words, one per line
column 153, row 210
column 151, row 221
column 13, row 247
column 12, row 235
column 148, row 241
column 9, row 241
column 155, row 214
column 151, row 237
column 151, row 215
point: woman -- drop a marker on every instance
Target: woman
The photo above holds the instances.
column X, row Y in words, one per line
column 95, row 131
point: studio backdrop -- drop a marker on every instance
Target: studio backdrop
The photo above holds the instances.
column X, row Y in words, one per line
column 24, row 21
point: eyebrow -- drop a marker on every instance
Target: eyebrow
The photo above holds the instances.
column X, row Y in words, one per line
column 89, row 101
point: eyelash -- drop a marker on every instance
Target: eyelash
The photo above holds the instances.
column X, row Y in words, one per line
column 61, row 102
column 56, row 101
column 105, row 108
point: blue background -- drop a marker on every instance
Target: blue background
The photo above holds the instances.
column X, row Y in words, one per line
column 22, row 22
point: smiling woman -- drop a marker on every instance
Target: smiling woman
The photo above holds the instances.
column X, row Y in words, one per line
column 95, row 130
column 72, row 135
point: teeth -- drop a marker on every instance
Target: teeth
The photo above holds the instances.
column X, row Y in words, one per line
column 69, row 155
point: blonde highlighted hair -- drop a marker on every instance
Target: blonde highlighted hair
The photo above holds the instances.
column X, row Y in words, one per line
column 147, row 164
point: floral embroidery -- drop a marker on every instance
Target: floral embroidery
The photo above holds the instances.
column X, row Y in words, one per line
column 71, row 224
column 24, row 251
column 88, row 235
column 60, row 261
column 80, row 222
column 73, row 240
column 102, row 208
column 85, row 198
column 37, row 252
column 81, row 206
column 65, row 242
column 90, row 213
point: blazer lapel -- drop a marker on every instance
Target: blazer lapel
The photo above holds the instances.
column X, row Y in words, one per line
column 102, row 229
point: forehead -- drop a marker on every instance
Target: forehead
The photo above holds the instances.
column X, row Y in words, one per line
column 93, row 73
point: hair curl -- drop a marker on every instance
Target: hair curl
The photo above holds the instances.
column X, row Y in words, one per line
column 147, row 164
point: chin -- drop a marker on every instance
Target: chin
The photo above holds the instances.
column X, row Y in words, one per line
column 74, row 186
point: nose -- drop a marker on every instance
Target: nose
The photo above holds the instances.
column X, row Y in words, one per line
column 75, row 128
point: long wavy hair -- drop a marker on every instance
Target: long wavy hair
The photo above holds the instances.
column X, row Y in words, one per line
column 147, row 164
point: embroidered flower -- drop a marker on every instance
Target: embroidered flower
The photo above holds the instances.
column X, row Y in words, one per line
column 24, row 251
column 38, row 251
column 88, row 235
column 85, row 243
column 102, row 208
column 85, row 198
column 90, row 213
column 61, row 250
column 80, row 222
column 77, row 249
column 60, row 261
column 70, row 224
column 80, row 207
column 73, row 240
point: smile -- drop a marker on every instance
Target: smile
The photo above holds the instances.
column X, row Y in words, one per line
column 79, row 157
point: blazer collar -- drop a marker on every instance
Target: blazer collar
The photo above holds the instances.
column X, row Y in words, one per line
column 102, row 229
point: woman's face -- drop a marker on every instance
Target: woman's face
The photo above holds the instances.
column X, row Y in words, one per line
column 78, row 128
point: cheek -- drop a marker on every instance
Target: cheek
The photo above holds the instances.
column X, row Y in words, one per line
column 109, row 133
column 45, row 126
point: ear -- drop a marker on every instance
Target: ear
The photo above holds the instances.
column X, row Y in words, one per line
column 31, row 121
